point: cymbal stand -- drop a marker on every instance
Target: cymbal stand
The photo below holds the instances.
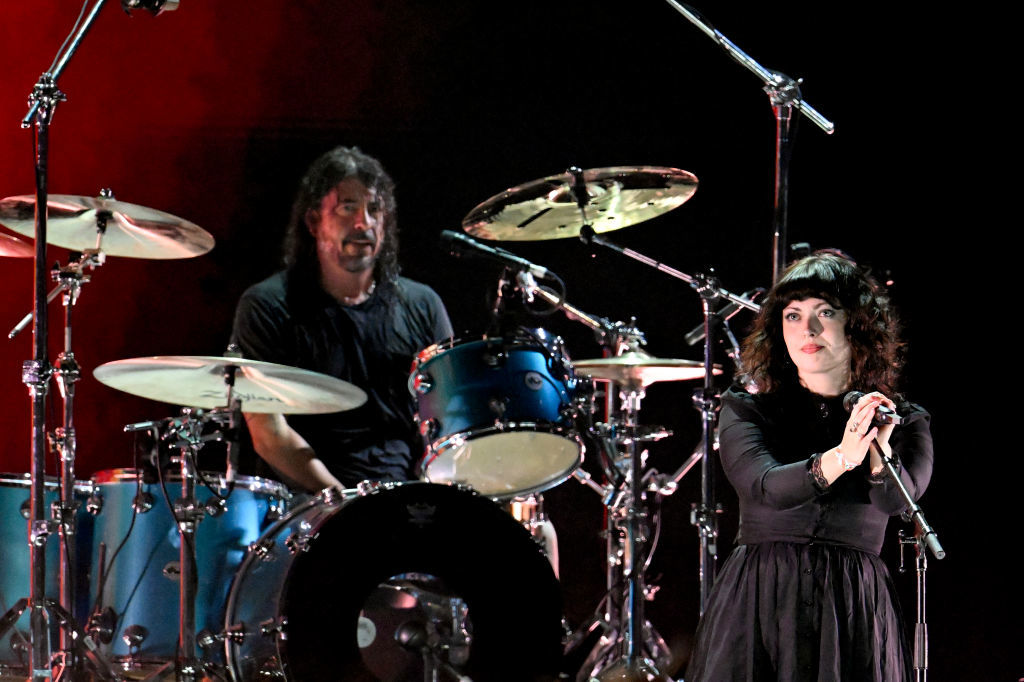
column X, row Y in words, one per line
column 628, row 643
column 629, row 647
column 704, row 514
column 784, row 93
column 185, row 433
column 67, row 374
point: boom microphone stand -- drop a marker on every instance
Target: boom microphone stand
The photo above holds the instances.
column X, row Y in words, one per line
column 36, row 372
column 784, row 93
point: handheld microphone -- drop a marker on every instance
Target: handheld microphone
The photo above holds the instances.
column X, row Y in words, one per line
column 883, row 414
column 459, row 244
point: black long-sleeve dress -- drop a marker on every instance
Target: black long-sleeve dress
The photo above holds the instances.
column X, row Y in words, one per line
column 805, row 596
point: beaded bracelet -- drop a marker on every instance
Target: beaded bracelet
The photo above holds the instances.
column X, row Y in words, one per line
column 845, row 463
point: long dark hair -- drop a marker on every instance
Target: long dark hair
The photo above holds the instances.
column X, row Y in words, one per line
column 324, row 175
column 872, row 327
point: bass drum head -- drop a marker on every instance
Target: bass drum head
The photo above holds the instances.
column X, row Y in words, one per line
column 413, row 539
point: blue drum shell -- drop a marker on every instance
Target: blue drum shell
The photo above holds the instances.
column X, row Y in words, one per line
column 142, row 583
column 467, row 379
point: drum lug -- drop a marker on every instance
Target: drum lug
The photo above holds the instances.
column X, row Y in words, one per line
column 275, row 627
column 101, row 625
column 422, row 383
column 216, row 507
column 299, row 541
column 271, row 669
column 274, row 510
column 94, row 504
column 209, row 641
column 263, row 549
column 142, row 502
column 429, row 429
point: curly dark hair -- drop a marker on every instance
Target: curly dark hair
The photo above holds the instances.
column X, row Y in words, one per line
column 872, row 326
column 324, row 175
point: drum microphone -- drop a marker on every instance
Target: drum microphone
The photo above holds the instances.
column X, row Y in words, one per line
column 726, row 313
column 883, row 415
column 459, row 244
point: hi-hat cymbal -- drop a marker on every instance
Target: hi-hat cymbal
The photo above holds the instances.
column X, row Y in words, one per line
column 132, row 231
column 198, row 381
column 12, row 247
column 639, row 368
column 547, row 208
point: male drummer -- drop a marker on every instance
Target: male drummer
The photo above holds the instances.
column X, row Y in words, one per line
column 340, row 308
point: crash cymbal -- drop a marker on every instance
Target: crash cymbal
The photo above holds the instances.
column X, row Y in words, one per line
column 12, row 247
column 547, row 209
column 637, row 367
column 132, row 231
column 198, row 381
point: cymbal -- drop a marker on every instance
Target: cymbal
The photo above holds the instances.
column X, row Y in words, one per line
column 132, row 231
column 546, row 208
column 12, row 247
column 262, row 387
column 637, row 367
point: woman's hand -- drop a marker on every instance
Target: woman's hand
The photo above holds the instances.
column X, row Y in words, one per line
column 860, row 434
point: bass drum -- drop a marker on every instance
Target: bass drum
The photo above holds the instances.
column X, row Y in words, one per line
column 388, row 581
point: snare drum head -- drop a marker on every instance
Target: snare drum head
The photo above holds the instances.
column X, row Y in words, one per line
column 421, row 537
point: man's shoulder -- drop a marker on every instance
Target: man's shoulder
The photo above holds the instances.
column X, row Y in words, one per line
column 271, row 288
column 413, row 288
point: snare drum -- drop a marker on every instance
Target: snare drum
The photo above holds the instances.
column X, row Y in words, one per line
column 328, row 592
column 15, row 500
column 141, row 584
column 497, row 415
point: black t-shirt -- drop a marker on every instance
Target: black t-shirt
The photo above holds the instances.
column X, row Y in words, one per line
column 767, row 441
column 288, row 319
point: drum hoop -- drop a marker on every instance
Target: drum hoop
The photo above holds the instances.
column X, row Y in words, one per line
column 320, row 500
column 520, row 340
column 439, row 446
column 254, row 484
column 11, row 480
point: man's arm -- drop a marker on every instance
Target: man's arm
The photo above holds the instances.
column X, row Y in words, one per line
column 288, row 452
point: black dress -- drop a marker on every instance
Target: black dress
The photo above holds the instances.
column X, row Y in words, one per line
column 805, row 596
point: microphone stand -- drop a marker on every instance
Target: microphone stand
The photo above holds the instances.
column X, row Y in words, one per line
column 784, row 94
column 36, row 375
column 924, row 537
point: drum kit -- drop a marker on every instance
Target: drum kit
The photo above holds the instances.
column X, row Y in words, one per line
column 384, row 581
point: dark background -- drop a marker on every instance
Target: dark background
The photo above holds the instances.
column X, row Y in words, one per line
column 212, row 112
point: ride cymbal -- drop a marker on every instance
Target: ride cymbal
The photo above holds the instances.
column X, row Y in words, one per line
column 547, row 208
column 130, row 230
column 262, row 387
column 639, row 368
